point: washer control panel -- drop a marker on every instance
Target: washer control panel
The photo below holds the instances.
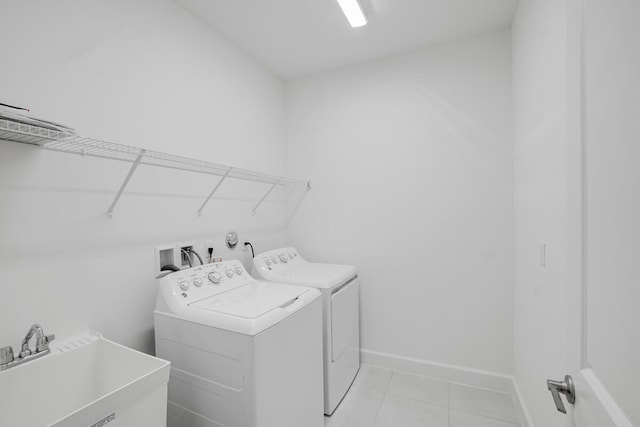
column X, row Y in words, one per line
column 193, row 284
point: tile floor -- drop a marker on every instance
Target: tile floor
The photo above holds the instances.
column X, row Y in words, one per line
column 382, row 398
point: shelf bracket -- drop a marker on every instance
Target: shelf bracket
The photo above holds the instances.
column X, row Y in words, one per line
column 135, row 165
column 306, row 190
column 265, row 196
column 226, row 174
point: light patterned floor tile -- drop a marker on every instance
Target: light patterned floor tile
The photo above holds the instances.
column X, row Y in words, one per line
column 419, row 388
column 372, row 378
column 465, row 419
column 400, row 412
column 479, row 401
column 358, row 409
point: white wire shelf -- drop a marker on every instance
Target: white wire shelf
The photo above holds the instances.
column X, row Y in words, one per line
column 29, row 134
column 48, row 139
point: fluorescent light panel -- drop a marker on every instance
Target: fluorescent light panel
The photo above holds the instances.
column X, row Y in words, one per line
column 354, row 13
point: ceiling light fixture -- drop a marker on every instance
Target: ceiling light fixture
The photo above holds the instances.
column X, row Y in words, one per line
column 354, row 12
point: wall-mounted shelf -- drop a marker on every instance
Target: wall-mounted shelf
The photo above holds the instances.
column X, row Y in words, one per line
column 48, row 139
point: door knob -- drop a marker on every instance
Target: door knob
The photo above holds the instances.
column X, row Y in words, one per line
column 565, row 387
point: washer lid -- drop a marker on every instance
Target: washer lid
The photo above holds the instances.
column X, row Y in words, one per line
column 251, row 301
column 317, row 275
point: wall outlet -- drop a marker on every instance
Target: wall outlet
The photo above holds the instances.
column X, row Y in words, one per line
column 209, row 249
column 542, row 254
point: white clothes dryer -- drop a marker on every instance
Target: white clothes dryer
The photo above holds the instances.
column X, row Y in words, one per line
column 243, row 353
column 340, row 290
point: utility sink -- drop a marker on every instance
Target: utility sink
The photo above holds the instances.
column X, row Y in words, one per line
column 87, row 381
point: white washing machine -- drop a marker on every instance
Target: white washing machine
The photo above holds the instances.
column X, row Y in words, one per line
column 243, row 353
column 340, row 313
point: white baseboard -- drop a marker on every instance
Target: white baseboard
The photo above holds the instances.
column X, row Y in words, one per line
column 443, row 371
column 451, row 373
column 525, row 416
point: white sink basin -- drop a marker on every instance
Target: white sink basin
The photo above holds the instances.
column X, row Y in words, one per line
column 86, row 381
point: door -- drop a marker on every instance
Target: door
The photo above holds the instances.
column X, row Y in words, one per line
column 604, row 234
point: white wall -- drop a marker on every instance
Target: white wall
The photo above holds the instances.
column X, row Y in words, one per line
column 540, row 129
column 144, row 73
column 410, row 160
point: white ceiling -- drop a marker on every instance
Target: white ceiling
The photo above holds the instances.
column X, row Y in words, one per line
column 298, row 37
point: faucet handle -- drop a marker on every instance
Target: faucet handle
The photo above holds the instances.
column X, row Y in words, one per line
column 42, row 343
column 6, row 355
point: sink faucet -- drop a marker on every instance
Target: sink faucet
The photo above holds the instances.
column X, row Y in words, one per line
column 42, row 341
column 7, row 359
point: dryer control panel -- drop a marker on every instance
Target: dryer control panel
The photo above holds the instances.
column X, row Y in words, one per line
column 274, row 264
column 286, row 265
column 203, row 281
column 278, row 259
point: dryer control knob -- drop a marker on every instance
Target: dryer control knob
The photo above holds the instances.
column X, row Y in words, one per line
column 197, row 281
column 274, row 260
column 238, row 271
column 290, row 255
column 267, row 262
column 184, row 285
column 229, row 273
column 283, row 258
column 215, row 277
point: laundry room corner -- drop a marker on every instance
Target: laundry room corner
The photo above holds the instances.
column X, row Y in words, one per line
column 410, row 158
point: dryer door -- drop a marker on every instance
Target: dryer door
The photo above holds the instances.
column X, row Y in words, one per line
column 345, row 319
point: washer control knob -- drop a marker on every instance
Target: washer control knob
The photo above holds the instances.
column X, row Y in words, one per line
column 197, row 281
column 184, row 285
column 215, row 277
column 274, row 260
column 267, row 262
column 283, row 258
column 239, row 271
column 229, row 273
column 290, row 255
